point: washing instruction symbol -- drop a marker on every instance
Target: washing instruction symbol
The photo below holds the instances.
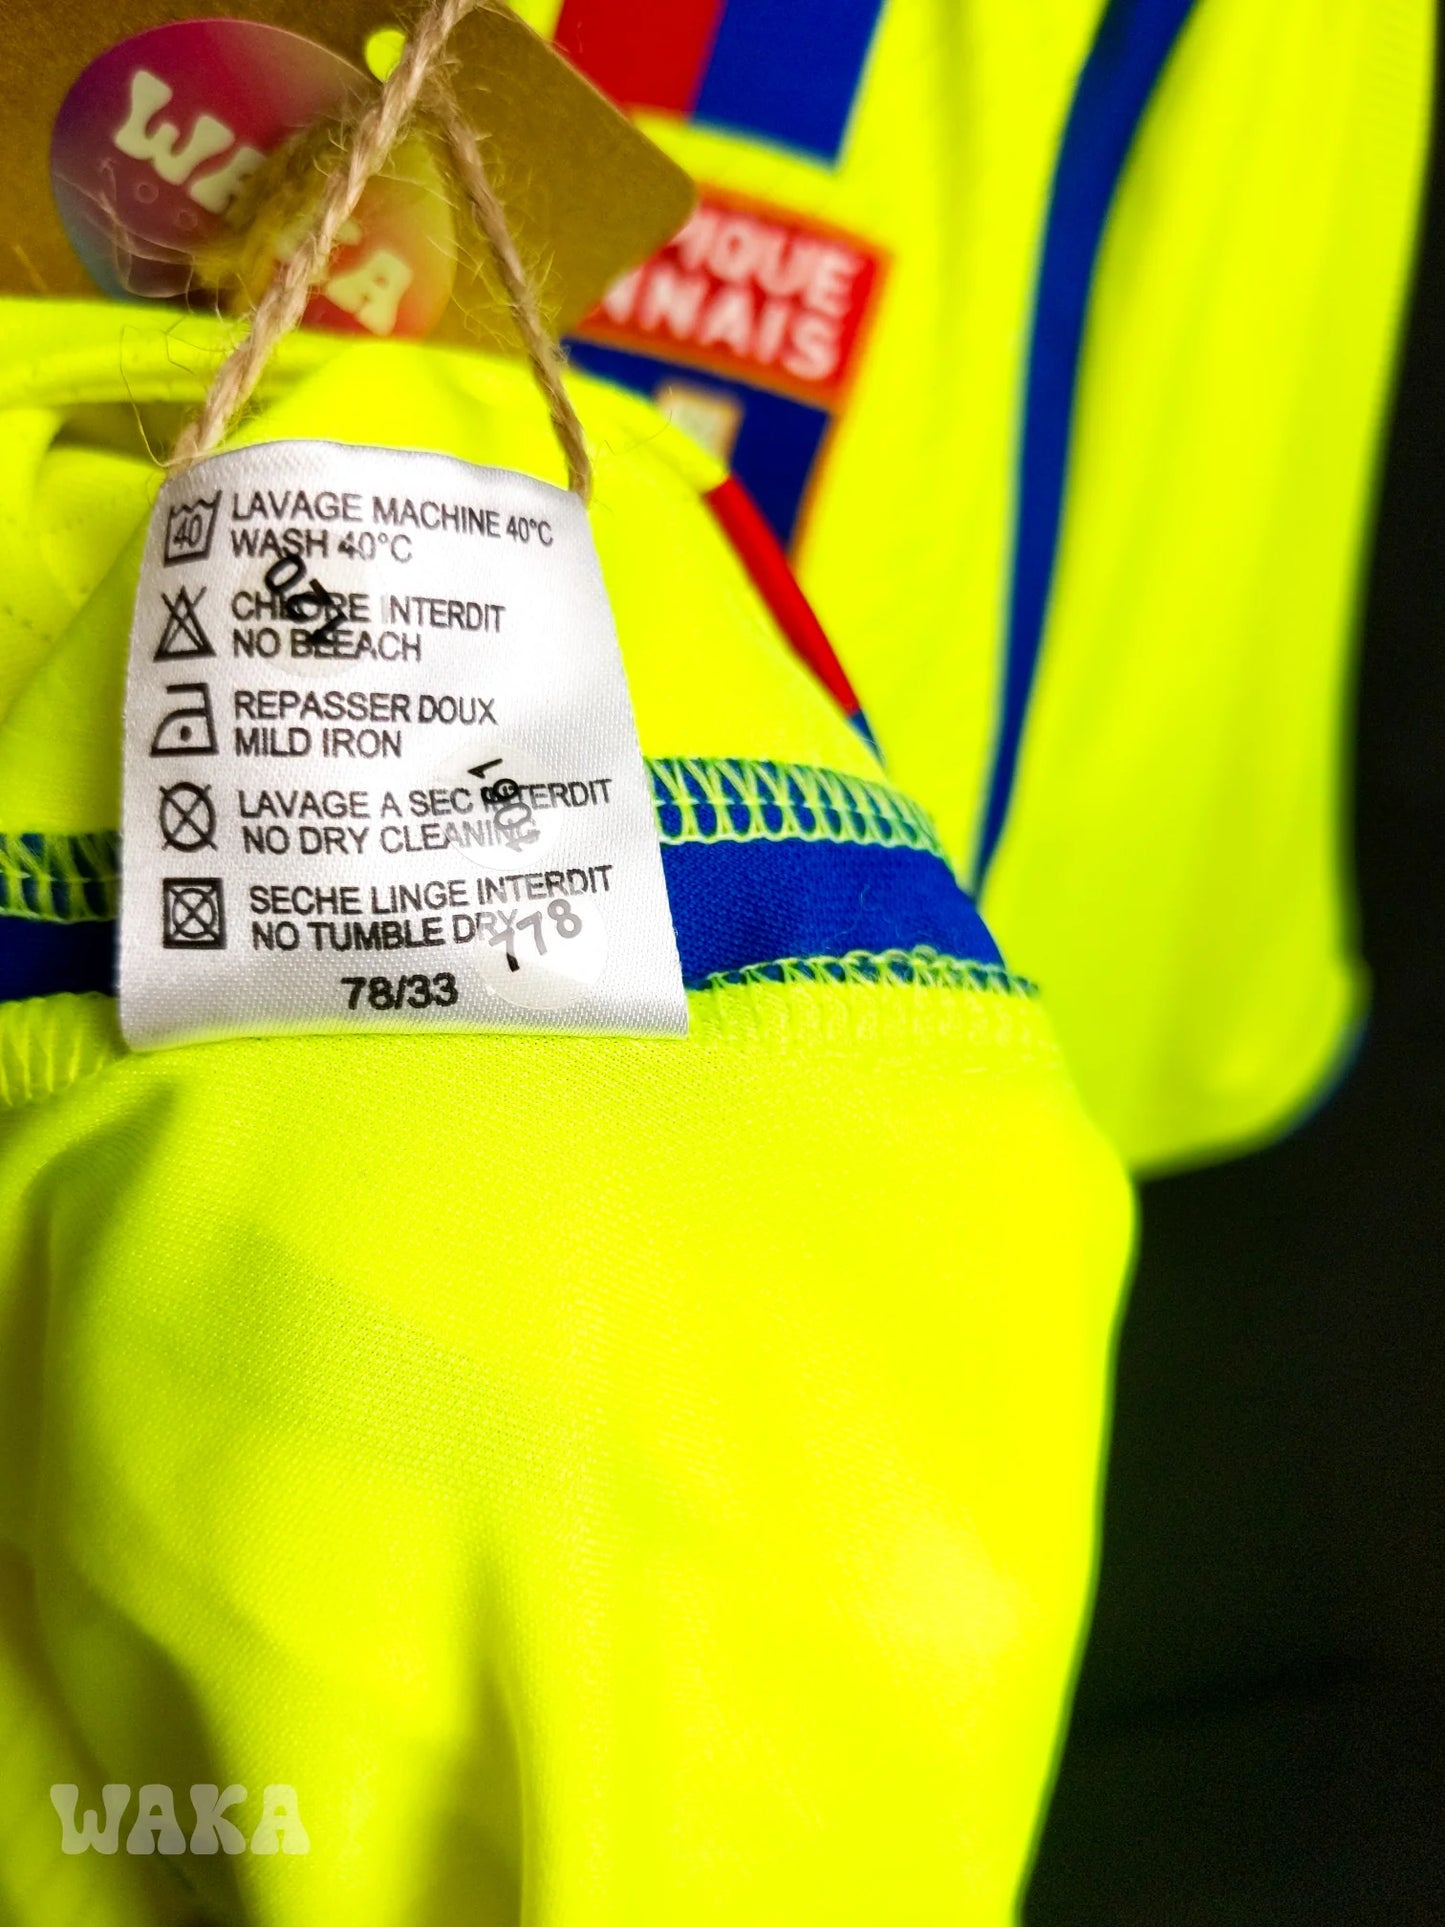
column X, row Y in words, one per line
column 189, row 529
column 183, row 634
column 188, row 817
column 193, row 913
column 188, row 729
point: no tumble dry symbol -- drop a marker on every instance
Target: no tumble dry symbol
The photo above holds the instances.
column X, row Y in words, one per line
column 183, row 634
column 193, row 913
column 188, row 817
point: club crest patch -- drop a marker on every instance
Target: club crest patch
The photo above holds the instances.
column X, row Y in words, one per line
column 747, row 329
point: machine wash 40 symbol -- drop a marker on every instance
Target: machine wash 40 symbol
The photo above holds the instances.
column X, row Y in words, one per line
column 189, row 529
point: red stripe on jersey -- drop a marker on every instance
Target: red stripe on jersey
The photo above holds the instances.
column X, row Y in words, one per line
column 757, row 548
column 641, row 56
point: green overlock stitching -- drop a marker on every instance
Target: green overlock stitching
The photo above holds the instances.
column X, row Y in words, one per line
column 72, row 878
column 923, row 966
column 741, row 800
column 60, row 879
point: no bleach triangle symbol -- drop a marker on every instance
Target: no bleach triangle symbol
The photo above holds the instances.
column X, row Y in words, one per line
column 183, row 634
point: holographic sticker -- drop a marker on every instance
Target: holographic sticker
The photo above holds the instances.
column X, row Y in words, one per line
column 157, row 138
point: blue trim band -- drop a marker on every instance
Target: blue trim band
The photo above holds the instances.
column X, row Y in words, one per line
column 734, row 905
column 1134, row 41
column 39, row 959
column 788, row 70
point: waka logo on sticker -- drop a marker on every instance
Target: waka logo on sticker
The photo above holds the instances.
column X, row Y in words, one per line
column 150, row 155
column 746, row 329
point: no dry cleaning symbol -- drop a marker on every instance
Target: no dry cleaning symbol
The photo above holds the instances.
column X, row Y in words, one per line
column 188, row 817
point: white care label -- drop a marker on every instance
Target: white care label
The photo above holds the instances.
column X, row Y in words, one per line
column 381, row 769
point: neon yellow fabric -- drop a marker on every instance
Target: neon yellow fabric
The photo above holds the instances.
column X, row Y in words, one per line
column 465, row 404
column 1171, row 870
column 611, row 1480
column 1239, row 347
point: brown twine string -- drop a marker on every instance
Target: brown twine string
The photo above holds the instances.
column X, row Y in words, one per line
column 417, row 80
column 542, row 350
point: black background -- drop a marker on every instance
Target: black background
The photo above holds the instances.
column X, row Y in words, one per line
column 1259, row 1733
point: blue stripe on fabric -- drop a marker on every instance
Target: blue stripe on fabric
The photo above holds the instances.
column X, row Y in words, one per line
column 39, row 959
column 733, row 904
column 788, row 70
column 1130, row 49
column 865, row 729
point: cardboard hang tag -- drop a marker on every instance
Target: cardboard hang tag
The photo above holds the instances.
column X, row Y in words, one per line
column 587, row 196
